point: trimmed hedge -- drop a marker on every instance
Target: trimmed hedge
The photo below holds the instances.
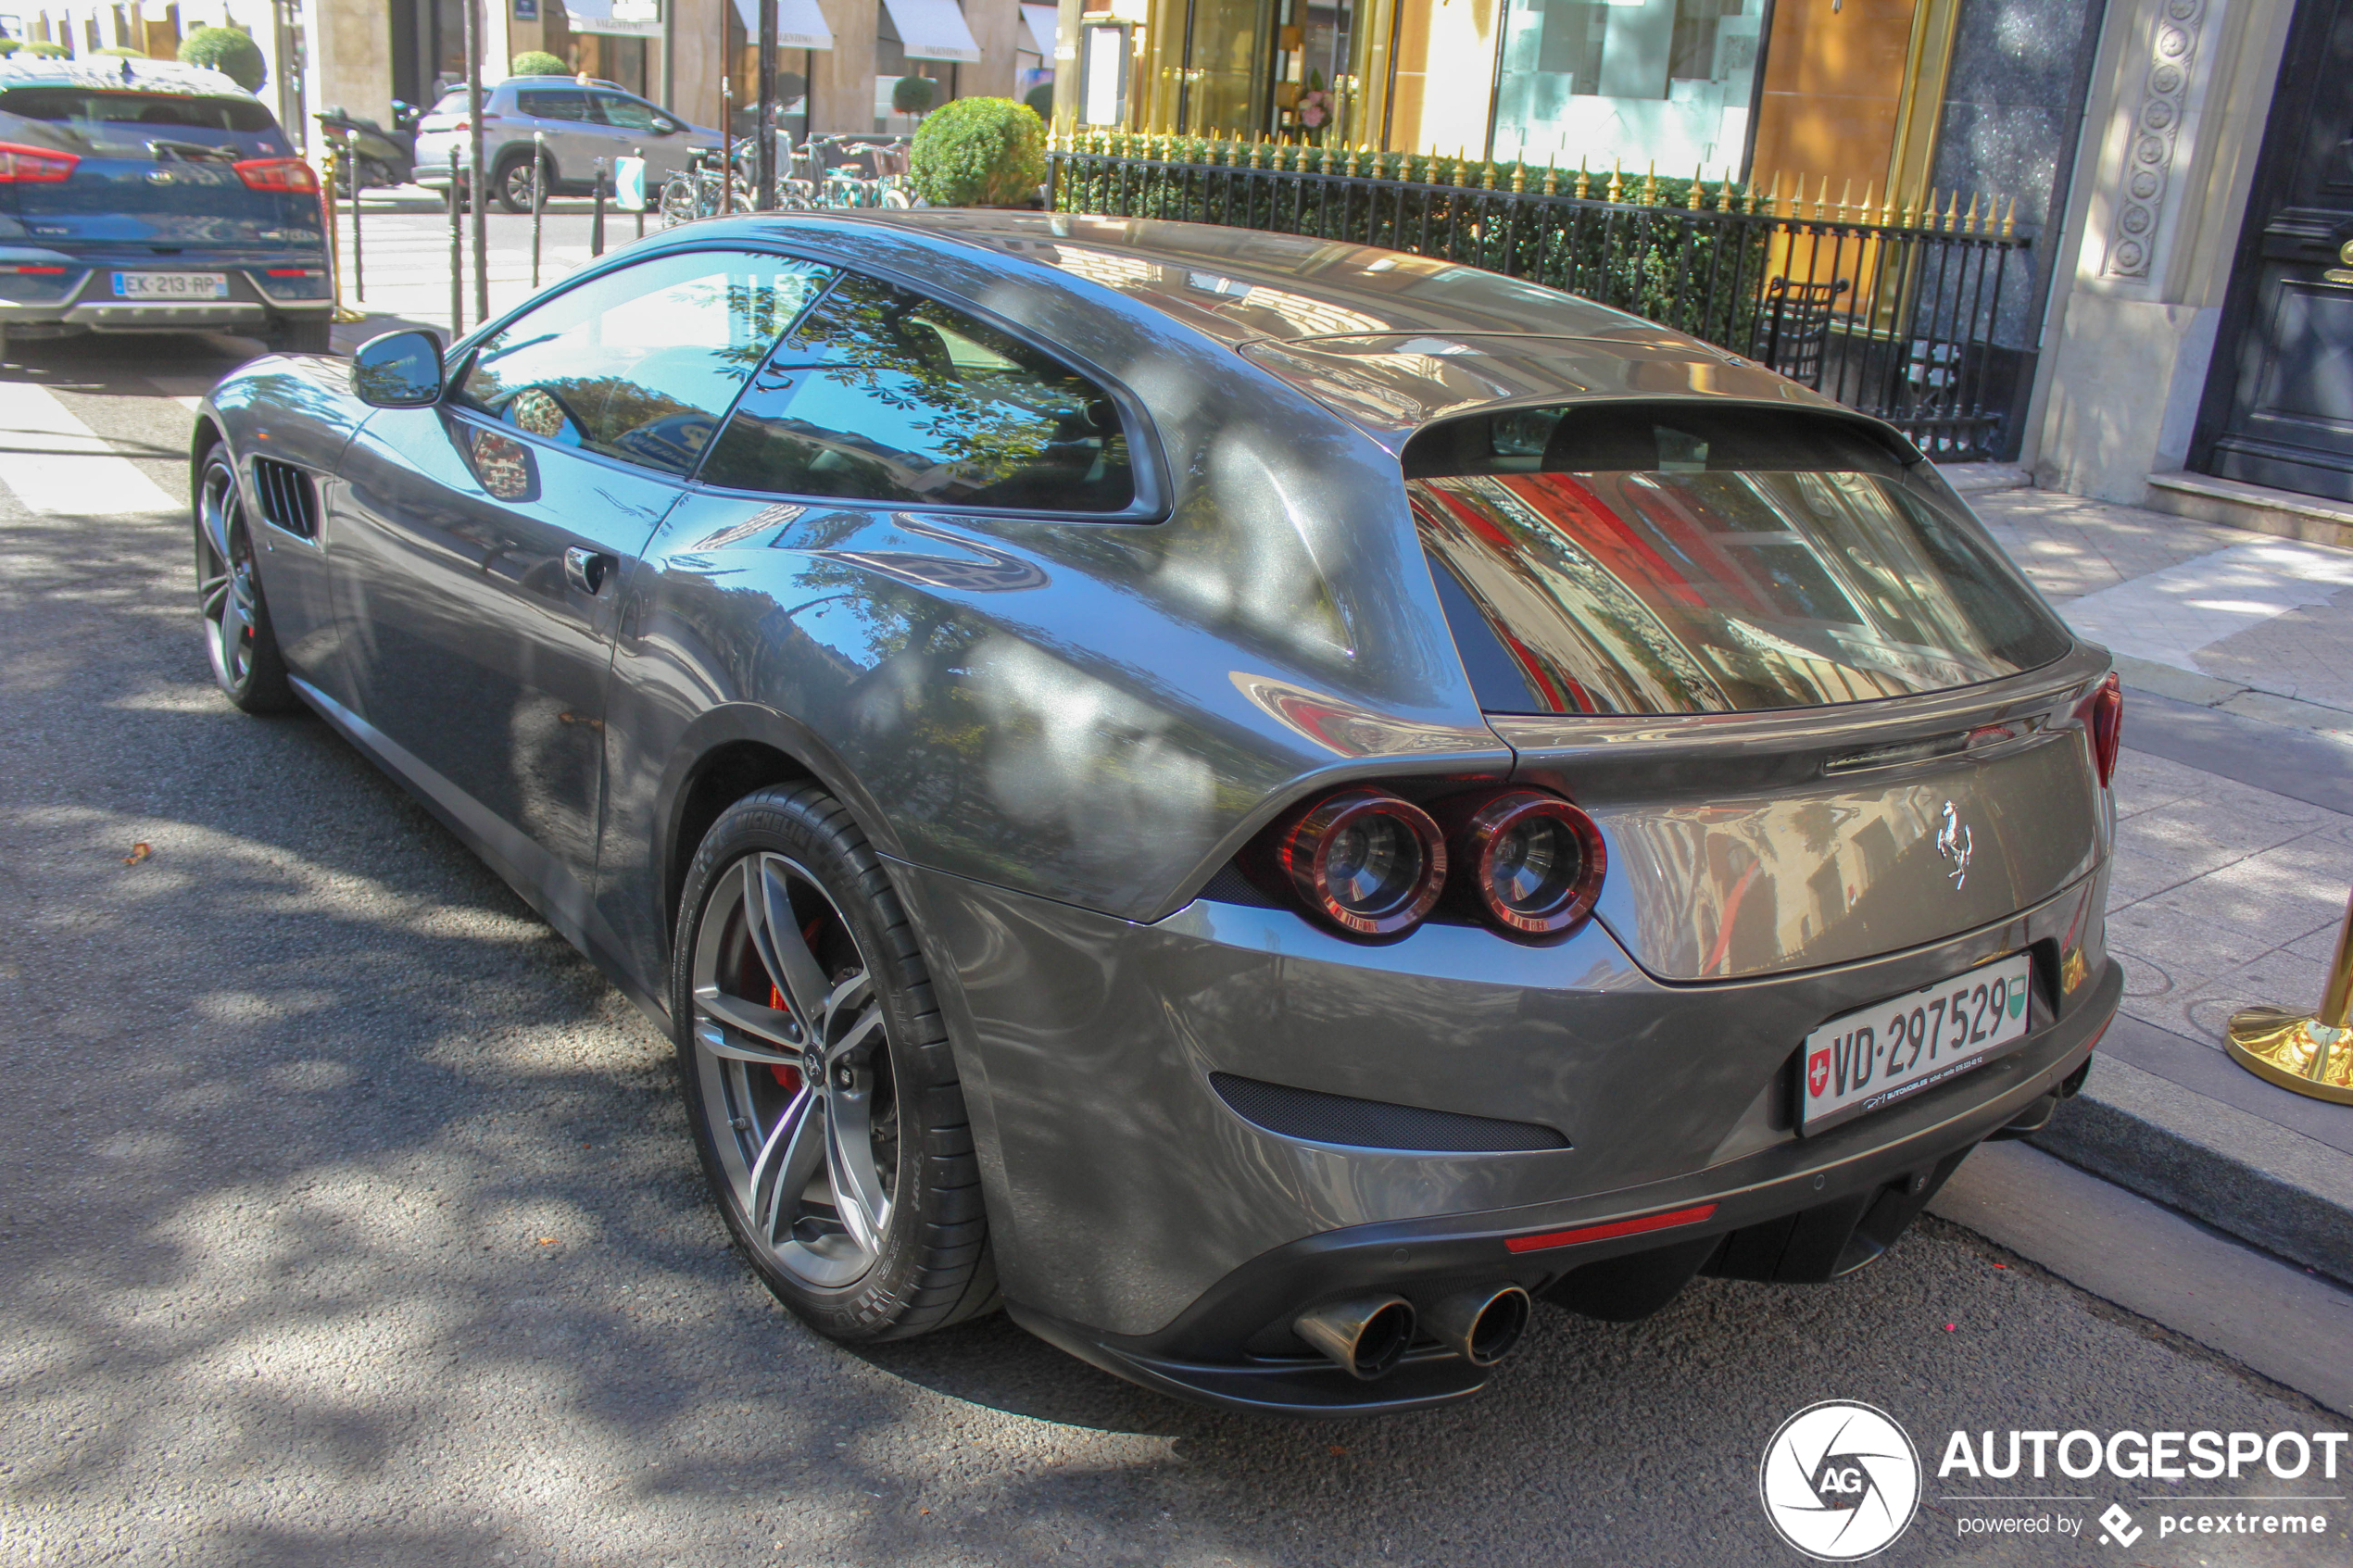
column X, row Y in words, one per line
column 537, row 62
column 913, row 94
column 979, row 152
column 228, row 51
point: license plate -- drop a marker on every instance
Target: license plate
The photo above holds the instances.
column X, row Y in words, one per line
column 171, row 286
column 1875, row 1055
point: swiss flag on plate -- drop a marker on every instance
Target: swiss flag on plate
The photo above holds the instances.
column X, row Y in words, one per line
column 1818, row 1072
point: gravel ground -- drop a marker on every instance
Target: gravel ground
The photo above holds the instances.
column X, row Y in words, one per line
column 348, row 1216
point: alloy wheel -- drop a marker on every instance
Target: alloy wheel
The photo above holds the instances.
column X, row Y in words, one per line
column 224, row 577
column 794, row 1070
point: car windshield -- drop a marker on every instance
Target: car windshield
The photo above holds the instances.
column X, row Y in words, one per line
column 1633, row 561
column 164, row 111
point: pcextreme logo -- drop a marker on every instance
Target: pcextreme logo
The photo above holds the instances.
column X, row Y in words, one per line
column 1840, row 1481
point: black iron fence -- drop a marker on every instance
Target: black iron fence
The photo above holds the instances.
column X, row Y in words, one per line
column 1898, row 313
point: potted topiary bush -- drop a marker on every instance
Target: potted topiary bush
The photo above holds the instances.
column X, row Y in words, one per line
column 913, row 94
column 228, row 51
column 537, row 62
column 979, row 152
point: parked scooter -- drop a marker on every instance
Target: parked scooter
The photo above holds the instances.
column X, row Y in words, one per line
column 377, row 157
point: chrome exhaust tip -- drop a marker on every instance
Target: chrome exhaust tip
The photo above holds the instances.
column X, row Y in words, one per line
column 1481, row 1326
column 1365, row 1335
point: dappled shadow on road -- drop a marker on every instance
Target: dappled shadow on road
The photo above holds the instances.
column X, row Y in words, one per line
column 348, row 1216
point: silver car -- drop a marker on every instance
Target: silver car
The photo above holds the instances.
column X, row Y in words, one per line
column 1263, row 804
column 576, row 125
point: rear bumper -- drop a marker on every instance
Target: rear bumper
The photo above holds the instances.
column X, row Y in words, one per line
column 1804, row 1212
column 83, row 301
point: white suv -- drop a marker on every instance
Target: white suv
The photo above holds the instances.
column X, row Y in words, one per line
column 581, row 122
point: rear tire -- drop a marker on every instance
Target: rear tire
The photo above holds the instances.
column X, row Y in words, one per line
column 818, row 1077
column 513, row 180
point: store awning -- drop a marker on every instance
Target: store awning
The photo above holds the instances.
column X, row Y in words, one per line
column 1041, row 22
column 628, row 19
column 931, row 30
column 799, row 25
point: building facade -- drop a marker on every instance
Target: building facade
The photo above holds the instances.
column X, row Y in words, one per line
column 837, row 59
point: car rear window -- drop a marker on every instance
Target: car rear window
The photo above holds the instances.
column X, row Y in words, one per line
column 179, row 111
column 1664, row 561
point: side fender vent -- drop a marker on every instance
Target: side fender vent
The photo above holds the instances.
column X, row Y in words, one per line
column 1371, row 1123
column 287, row 497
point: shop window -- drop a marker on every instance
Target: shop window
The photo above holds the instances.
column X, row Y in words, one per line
column 1669, row 82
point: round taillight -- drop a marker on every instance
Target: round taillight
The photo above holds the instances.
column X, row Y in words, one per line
column 1366, row 861
column 1535, row 861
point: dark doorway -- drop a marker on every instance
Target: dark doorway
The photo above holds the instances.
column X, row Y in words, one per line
column 2279, row 400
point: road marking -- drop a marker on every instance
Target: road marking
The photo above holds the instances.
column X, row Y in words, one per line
column 58, row 465
column 2167, row 616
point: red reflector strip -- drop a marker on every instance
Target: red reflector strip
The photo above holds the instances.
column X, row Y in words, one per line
column 294, row 271
column 1612, row 1229
column 36, row 271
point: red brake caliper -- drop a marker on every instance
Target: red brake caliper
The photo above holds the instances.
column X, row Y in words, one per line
column 788, row 1076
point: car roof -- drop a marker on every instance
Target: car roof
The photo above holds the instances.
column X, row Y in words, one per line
column 115, row 72
column 1245, row 284
column 1389, row 340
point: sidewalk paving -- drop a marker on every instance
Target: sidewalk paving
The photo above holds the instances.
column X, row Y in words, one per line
column 2234, row 856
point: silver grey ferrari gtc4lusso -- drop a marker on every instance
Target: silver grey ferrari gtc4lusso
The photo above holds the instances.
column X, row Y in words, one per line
column 1262, row 803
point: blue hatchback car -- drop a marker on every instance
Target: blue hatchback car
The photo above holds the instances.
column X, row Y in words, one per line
column 145, row 195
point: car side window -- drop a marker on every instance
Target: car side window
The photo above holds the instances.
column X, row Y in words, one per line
column 553, row 104
column 886, row 395
column 626, row 113
column 641, row 363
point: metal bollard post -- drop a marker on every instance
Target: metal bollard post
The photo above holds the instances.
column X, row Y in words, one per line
column 2309, row 1052
column 639, row 154
column 358, row 272
column 596, row 224
column 539, row 198
column 456, row 258
column 337, row 159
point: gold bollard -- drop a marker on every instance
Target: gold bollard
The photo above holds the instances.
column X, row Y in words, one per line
column 338, row 311
column 2310, row 1053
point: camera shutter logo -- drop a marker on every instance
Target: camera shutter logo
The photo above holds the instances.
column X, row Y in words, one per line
column 1840, row 1481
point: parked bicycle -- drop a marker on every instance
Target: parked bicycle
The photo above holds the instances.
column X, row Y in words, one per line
column 824, row 173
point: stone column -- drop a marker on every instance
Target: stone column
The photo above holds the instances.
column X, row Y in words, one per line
column 699, row 61
column 351, row 58
column 845, row 84
column 2171, row 137
column 995, row 25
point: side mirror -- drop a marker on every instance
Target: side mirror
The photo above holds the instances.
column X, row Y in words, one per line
column 666, row 127
column 397, row 370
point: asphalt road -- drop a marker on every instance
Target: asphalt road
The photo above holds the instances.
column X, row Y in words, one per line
column 347, row 1216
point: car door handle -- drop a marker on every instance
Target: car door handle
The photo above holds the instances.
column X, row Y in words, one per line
column 586, row 569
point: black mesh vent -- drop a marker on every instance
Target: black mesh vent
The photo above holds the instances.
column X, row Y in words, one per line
column 1371, row 1123
column 1230, row 886
column 286, row 496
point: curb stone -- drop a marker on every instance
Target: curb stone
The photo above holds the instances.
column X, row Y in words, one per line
column 2290, row 1194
